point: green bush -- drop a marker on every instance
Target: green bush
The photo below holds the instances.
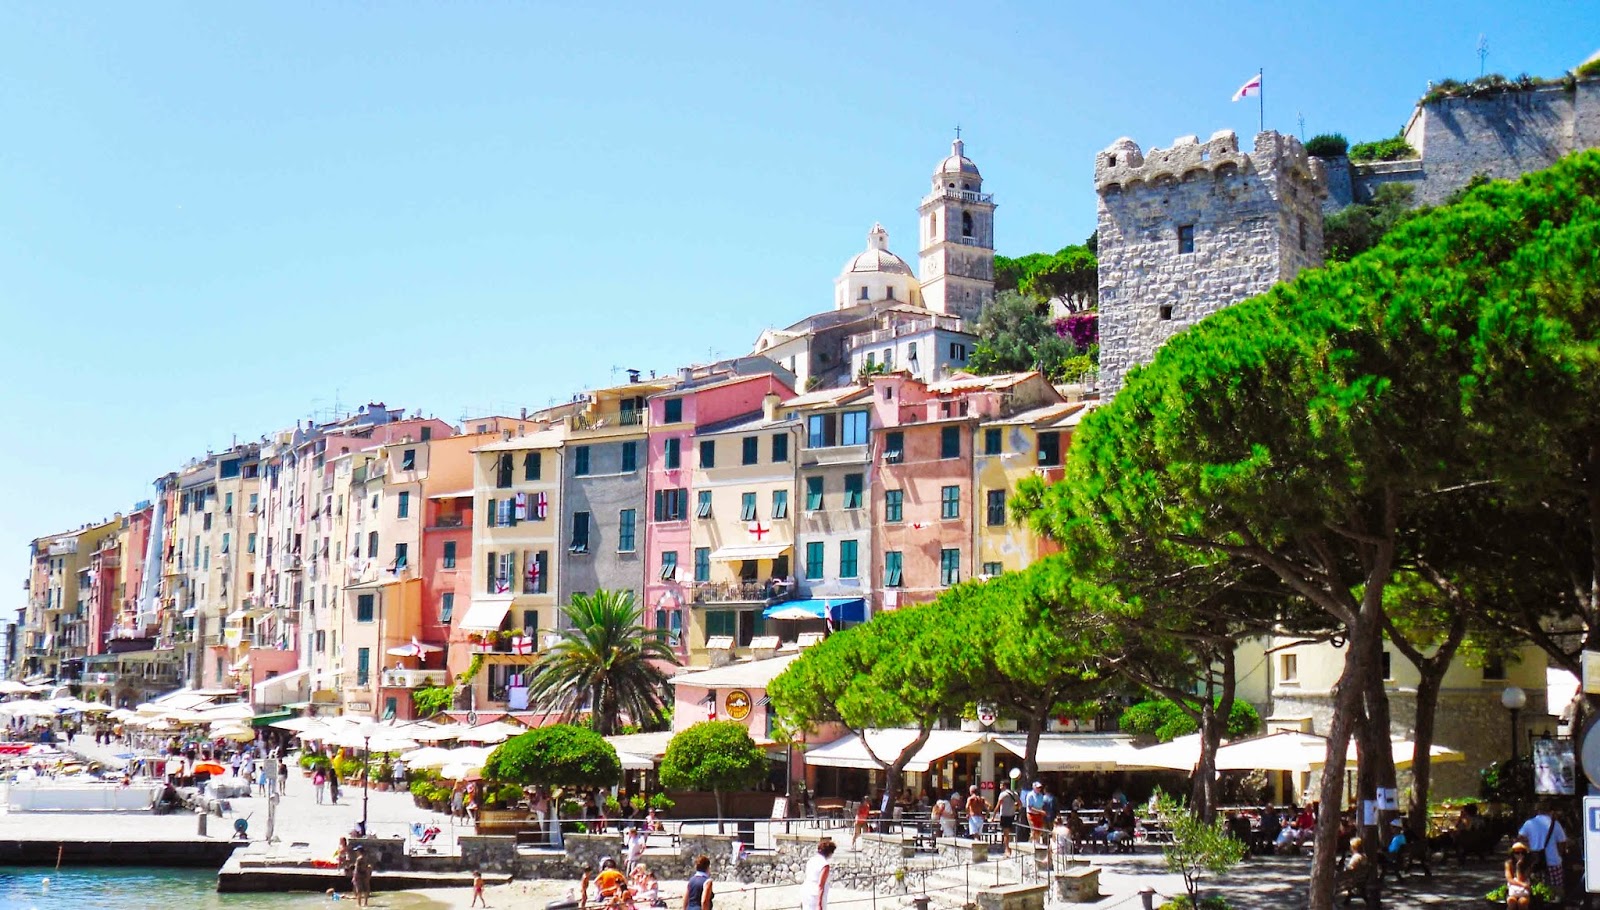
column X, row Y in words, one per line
column 1541, row 892
column 1181, row 902
column 562, row 755
column 1166, row 721
column 431, row 701
column 1592, row 68
column 311, row 761
column 1395, row 148
column 660, row 802
column 1327, row 145
column 346, row 767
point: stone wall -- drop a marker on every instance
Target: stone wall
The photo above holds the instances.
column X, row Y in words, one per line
column 1256, row 218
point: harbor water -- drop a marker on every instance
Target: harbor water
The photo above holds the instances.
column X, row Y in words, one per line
column 127, row 888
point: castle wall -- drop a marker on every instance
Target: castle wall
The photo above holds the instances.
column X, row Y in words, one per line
column 1256, row 218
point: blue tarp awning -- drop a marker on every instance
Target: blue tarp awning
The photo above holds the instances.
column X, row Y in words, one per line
column 839, row 609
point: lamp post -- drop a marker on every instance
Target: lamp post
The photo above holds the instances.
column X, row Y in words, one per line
column 1513, row 698
column 366, row 770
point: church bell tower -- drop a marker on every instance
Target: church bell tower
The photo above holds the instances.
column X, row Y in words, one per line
column 956, row 262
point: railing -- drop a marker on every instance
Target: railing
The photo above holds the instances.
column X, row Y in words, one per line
column 902, row 329
column 963, row 196
column 447, row 521
column 767, row 592
column 410, row 679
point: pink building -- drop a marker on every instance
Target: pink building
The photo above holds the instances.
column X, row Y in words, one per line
column 670, row 465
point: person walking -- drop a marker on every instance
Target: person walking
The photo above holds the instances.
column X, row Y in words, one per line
column 1005, row 812
column 319, row 783
column 819, row 870
column 361, row 876
column 1546, row 839
column 977, row 810
column 1035, row 823
column 333, row 785
column 698, row 895
column 477, row 890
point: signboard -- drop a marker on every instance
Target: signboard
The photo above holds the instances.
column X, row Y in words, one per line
column 1591, row 844
column 1590, row 664
column 1388, row 799
column 737, row 704
column 472, row 718
column 780, row 807
column 1554, row 767
column 987, row 714
column 1591, row 753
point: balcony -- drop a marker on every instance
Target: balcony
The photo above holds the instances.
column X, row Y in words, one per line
column 410, row 679
column 962, row 196
column 446, row 522
column 905, row 328
column 742, row 592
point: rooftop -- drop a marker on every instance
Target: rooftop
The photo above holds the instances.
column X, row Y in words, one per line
column 752, row 674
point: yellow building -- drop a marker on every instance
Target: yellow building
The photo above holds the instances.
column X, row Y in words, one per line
column 1006, row 450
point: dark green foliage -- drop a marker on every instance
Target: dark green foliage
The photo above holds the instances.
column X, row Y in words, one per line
column 1009, row 273
column 562, row 755
column 1486, row 86
column 1395, row 148
column 1166, row 721
column 715, row 755
column 1014, row 335
column 1071, row 275
column 430, row 701
column 607, row 659
column 1327, row 145
column 1592, row 68
column 1357, row 228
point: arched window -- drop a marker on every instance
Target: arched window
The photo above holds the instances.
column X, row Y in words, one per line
column 966, row 224
column 933, row 225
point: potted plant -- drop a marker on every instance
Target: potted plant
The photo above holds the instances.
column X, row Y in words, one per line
column 661, row 803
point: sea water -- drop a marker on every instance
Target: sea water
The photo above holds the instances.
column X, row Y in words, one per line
column 127, row 888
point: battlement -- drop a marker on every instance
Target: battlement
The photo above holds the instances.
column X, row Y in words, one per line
column 1123, row 165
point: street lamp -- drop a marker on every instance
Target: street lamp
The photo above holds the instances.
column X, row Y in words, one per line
column 1513, row 698
column 367, row 729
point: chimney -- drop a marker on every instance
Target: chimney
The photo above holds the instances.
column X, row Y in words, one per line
column 769, row 406
column 633, row 375
column 524, row 413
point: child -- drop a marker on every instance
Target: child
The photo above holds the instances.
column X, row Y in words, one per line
column 477, row 889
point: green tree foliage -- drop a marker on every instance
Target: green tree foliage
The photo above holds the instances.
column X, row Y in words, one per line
column 1310, row 432
column 715, row 755
column 1357, row 228
column 1395, row 148
column 1014, row 335
column 1167, row 720
column 1199, row 848
column 609, row 660
column 1071, row 276
column 431, row 701
column 1327, row 145
column 561, row 755
column 1009, row 272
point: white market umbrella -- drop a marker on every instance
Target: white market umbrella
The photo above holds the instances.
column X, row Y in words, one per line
column 29, row 709
column 235, row 711
column 94, row 707
column 424, row 732
column 1181, row 754
column 13, row 687
column 297, row 724
column 414, row 648
column 431, row 758
column 492, row 732
column 792, row 613
column 1286, row 751
column 233, row 732
column 122, row 714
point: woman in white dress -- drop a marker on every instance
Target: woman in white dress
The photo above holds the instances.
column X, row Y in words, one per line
column 819, row 869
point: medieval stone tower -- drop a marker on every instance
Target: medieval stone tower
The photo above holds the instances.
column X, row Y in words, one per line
column 1189, row 230
column 956, row 261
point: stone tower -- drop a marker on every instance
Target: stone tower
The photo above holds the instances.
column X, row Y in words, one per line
column 1189, row 230
column 956, row 265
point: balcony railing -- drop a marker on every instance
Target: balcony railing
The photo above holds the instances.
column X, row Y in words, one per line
column 963, row 196
column 410, row 679
column 447, row 521
column 763, row 592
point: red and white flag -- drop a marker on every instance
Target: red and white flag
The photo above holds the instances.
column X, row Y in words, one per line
column 1253, row 87
column 521, row 644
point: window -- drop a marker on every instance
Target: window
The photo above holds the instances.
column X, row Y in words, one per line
column 894, row 447
column 892, row 573
column 205, row 562
column 872, row 359
column 625, row 531
column 958, row 352
column 400, row 554
column 997, row 508
column 449, row 554
column 672, row 410
column 427, row 434
column 780, row 503
column 852, row 491
column 532, row 466
column 702, row 563
column 1185, row 238
column 580, row 461
column 363, row 666
column 780, row 447
column 814, row 561
column 224, row 541
column 671, row 504
column 227, row 504
column 708, row 453
column 447, row 607
column 894, row 505
column 1494, row 667
column 854, row 429
column 502, row 471
column 813, row 494
column 1302, row 234
column 1165, row 312
column 1049, row 448
column 750, row 447
column 408, row 460
column 1288, row 668
column 1388, row 665
column 702, row 507
column 669, row 564
column 848, row 559
column 372, row 545
column 255, row 502
column 966, row 224
column 670, row 454
column 863, row 293
column 630, row 457
column 364, row 607
column 821, row 431
column 207, row 522
column 322, row 640
column 250, row 544
column 949, row 567
column 950, row 442
column 991, row 442
column 580, row 533
column 950, row 502
column 536, row 580
column 747, row 507
column 402, row 507
column 992, row 569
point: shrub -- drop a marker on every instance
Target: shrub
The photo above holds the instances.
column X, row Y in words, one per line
column 660, row 802
column 1166, row 720
column 431, row 701
column 311, row 761
column 562, row 755
column 1592, row 68
column 1395, row 148
column 1327, row 145
column 1181, row 902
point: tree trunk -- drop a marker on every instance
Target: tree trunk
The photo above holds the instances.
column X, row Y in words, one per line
column 1214, row 714
column 1030, row 758
column 716, row 793
column 1348, row 695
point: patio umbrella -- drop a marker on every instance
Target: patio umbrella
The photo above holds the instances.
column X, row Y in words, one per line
column 424, row 732
column 431, row 758
column 492, row 732
column 29, row 709
column 297, row 724
column 235, row 711
column 122, row 714
column 414, row 649
column 792, row 613
column 233, row 732
column 1286, row 751
column 210, row 767
column 13, row 687
column 1181, row 754
column 463, row 771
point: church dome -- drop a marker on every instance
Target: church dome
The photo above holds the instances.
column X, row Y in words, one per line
column 876, row 257
column 958, row 162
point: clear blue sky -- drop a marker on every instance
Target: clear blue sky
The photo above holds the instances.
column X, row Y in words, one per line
column 216, row 218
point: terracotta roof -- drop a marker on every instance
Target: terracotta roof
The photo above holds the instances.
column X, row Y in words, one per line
column 966, row 382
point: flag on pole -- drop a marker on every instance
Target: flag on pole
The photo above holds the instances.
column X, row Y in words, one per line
column 1253, row 87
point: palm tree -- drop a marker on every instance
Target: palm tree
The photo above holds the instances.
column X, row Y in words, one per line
column 608, row 661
